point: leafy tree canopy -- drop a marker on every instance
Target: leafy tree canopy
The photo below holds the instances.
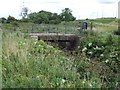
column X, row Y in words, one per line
column 66, row 15
column 11, row 19
column 49, row 17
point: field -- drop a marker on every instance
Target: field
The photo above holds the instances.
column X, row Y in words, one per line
column 28, row 63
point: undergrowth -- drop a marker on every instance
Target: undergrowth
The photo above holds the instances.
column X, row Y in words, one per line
column 28, row 63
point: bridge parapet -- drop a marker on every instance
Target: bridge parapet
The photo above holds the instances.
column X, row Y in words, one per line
column 54, row 36
column 70, row 40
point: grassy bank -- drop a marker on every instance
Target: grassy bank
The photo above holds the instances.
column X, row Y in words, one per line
column 28, row 63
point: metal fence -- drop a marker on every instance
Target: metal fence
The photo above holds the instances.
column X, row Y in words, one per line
column 59, row 28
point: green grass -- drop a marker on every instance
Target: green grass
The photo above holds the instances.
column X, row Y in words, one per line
column 31, row 27
column 104, row 21
column 0, row 59
column 31, row 66
column 28, row 63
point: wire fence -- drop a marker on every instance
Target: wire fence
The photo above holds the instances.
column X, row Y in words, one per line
column 59, row 28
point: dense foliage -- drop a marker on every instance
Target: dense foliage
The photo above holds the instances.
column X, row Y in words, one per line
column 34, row 64
column 66, row 15
column 28, row 63
column 104, row 53
column 10, row 19
column 53, row 18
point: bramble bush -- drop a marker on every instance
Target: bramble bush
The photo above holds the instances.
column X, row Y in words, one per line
column 34, row 64
column 106, row 51
column 28, row 63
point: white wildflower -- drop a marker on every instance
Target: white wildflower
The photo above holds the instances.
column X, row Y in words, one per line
column 107, row 61
column 24, row 43
column 35, row 42
column 90, row 85
column 83, row 82
column 89, row 44
column 97, row 47
column 84, row 49
column 38, row 77
column 63, row 80
column 101, row 55
column 90, row 52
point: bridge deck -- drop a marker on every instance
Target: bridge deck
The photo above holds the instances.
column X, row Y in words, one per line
column 55, row 36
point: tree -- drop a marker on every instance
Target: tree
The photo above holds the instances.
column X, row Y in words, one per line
column 54, row 16
column 54, row 19
column 11, row 19
column 44, row 17
column 49, row 17
column 66, row 15
column 41, row 18
column 24, row 12
column 31, row 16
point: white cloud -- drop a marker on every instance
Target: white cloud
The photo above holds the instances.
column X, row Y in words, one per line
column 80, row 8
column 107, row 1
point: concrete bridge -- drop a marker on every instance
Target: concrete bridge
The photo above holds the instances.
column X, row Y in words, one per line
column 68, row 41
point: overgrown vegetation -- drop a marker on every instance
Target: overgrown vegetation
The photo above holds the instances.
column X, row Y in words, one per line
column 28, row 63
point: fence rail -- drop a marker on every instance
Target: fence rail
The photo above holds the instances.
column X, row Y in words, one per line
column 50, row 28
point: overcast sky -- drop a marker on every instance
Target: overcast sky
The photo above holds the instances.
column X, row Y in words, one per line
column 82, row 9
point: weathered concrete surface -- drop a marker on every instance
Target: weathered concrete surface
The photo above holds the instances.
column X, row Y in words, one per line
column 54, row 36
column 70, row 41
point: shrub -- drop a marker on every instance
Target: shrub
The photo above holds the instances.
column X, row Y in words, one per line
column 106, row 51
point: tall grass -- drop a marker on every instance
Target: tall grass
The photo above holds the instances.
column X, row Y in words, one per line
column 0, row 58
column 31, row 27
column 28, row 63
column 24, row 66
